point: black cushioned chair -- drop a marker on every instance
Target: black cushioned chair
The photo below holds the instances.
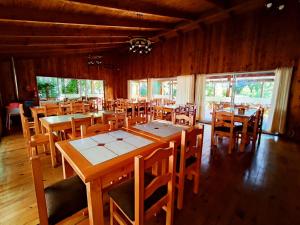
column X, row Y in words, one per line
column 137, row 199
column 61, row 201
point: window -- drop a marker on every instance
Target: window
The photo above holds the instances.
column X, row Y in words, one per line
column 249, row 89
column 59, row 88
column 138, row 89
column 164, row 88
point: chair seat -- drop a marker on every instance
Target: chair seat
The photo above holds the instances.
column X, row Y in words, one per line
column 250, row 129
column 123, row 195
column 39, row 139
column 226, row 129
column 65, row 198
column 188, row 162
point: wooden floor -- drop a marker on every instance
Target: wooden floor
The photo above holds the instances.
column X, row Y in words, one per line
column 261, row 188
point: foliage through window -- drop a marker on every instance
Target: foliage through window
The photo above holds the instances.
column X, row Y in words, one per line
column 60, row 88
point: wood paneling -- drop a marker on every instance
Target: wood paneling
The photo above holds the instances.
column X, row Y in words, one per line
column 252, row 42
column 63, row 66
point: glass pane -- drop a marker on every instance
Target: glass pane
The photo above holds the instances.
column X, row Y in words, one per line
column 217, row 90
column 174, row 90
column 143, row 89
column 47, row 87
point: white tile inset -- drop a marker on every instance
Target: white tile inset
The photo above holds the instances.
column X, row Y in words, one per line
column 83, row 143
column 120, row 147
column 97, row 154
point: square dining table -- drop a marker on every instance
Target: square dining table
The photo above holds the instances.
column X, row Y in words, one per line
column 50, row 124
column 102, row 159
column 160, row 129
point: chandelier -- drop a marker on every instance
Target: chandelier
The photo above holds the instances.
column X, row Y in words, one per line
column 140, row 45
column 94, row 59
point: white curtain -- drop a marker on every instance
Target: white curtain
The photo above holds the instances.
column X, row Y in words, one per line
column 200, row 96
column 185, row 89
column 149, row 88
column 277, row 117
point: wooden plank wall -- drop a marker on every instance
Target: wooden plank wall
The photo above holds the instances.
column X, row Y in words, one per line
column 252, row 42
column 64, row 66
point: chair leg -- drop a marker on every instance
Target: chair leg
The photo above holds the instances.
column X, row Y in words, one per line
column 111, row 204
column 180, row 191
column 196, row 183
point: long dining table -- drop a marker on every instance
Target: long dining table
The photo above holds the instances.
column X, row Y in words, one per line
column 101, row 160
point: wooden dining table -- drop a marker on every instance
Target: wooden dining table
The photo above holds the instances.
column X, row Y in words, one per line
column 103, row 159
column 51, row 124
column 160, row 130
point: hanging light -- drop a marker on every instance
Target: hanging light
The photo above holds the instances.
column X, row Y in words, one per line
column 269, row 4
column 94, row 59
column 280, row 5
column 140, row 45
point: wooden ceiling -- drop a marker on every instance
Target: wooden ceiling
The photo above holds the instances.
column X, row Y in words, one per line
column 41, row 27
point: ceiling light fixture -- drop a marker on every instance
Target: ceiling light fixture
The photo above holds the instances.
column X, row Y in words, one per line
column 140, row 45
column 94, row 60
column 275, row 4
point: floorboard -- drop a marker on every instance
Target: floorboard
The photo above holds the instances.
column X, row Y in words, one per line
column 250, row 188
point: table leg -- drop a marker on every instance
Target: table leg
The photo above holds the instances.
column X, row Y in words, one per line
column 95, row 202
column 52, row 149
column 244, row 136
column 36, row 122
column 67, row 169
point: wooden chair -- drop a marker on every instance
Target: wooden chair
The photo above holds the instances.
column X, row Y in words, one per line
column 135, row 120
column 252, row 129
column 52, row 110
column 26, row 124
column 189, row 161
column 35, row 141
column 223, row 126
column 77, row 123
column 260, row 124
column 64, row 202
column 117, row 121
column 141, row 108
column 94, row 129
column 184, row 120
column 138, row 199
column 158, row 112
column 77, row 107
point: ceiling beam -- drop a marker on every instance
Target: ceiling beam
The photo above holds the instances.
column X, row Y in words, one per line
column 58, row 49
column 65, row 7
column 34, row 28
column 212, row 15
column 27, row 40
column 55, row 52
column 61, row 46
column 77, row 18
column 151, row 7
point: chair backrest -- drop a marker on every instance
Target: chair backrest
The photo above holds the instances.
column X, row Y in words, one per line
column 261, row 119
column 94, row 129
column 37, row 173
column 223, row 119
column 135, row 120
column 24, row 122
column 77, row 123
column 184, row 120
column 254, row 122
column 166, row 157
column 158, row 112
column 52, row 110
column 77, row 107
column 191, row 145
column 142, row 107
